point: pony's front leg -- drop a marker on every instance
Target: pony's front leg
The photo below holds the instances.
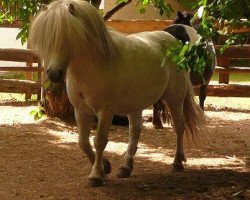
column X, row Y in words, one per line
column 135, row 127
column 84, row 123
column 97, row 175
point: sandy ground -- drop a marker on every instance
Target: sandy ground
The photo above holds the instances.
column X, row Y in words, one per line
column 41, row 160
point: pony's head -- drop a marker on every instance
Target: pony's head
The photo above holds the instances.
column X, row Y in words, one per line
column 183, row 18
column 70, row 29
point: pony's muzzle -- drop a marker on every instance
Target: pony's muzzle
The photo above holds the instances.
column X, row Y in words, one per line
column 56, row 76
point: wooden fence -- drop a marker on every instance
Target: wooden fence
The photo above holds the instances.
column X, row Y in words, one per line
column 223, row 89
column 28, row 86
column 224, row 69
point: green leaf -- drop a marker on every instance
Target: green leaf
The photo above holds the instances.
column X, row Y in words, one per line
column 47, row 85
column 121, row 1
column 142, row 10
column 38, row 113
column 33, row 112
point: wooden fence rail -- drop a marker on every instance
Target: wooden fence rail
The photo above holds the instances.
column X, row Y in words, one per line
column 224, row 61
column 27, row 87
column 18, row 55
column 227, row 90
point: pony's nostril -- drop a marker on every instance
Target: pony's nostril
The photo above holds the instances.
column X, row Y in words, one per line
column 60, row 74
column 55, row 75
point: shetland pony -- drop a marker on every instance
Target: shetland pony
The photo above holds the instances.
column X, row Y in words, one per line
column 108, row 73
column 183, row 30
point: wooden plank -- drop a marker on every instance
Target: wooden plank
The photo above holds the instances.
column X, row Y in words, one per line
column 238, row 70
column 22, row 69
column 39, row 77
column 242, row 30
column 134, row 26
column 19, row 86
column 234, row 52
column 18, row 55
column 125, row 26
column 226, row 90
column 15, row 24
column 28, row 75
column 122, row 25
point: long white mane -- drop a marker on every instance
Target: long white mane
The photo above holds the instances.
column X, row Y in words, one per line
column 69, row 27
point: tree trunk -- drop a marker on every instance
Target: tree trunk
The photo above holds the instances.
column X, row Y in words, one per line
column 57, row 103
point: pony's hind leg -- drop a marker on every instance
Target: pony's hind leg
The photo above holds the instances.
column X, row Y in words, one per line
column 176, row 111
column 202, row 95
column 158, row 107
column 135, row 127
column 174, row 96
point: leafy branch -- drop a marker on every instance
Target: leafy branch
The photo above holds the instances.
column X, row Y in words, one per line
column 222, row 17
column 215, row 18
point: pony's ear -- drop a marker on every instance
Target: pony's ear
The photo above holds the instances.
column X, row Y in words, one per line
column 71, row 9
column 43, row 7
column 180, row 15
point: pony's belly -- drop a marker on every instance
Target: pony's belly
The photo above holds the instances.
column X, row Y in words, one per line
column 128, row 109
column 138, row 101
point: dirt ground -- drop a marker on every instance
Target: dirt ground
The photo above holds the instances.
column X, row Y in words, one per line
column 41, row 160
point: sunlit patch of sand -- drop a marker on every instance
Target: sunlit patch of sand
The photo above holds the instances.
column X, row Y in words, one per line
column 154, row 154
column 234, row 116
column 16, row 115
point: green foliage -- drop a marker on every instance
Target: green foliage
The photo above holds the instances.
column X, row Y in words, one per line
column 48, row 85
column 23, row 10
column 217, row 18
column 222, row 17
column 193, row 57
column 234, row 39
column 38, row 113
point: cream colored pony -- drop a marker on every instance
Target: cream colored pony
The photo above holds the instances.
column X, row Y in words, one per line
column 108, row 73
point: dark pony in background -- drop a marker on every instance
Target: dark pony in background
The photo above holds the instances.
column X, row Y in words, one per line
column 180, row 31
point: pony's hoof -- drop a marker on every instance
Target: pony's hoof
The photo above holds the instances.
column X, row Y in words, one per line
column 157, row 126
column 124, row 172
column 107, row 166
column 95, row 182
column 178, row 168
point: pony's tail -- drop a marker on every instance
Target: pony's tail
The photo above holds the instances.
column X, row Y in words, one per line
column 195, row 119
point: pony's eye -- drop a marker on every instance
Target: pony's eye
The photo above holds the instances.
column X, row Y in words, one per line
column 71, row 9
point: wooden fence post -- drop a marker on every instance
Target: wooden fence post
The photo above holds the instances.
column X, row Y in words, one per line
column 28, row 75
column 223, row 76
column 39, row 80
